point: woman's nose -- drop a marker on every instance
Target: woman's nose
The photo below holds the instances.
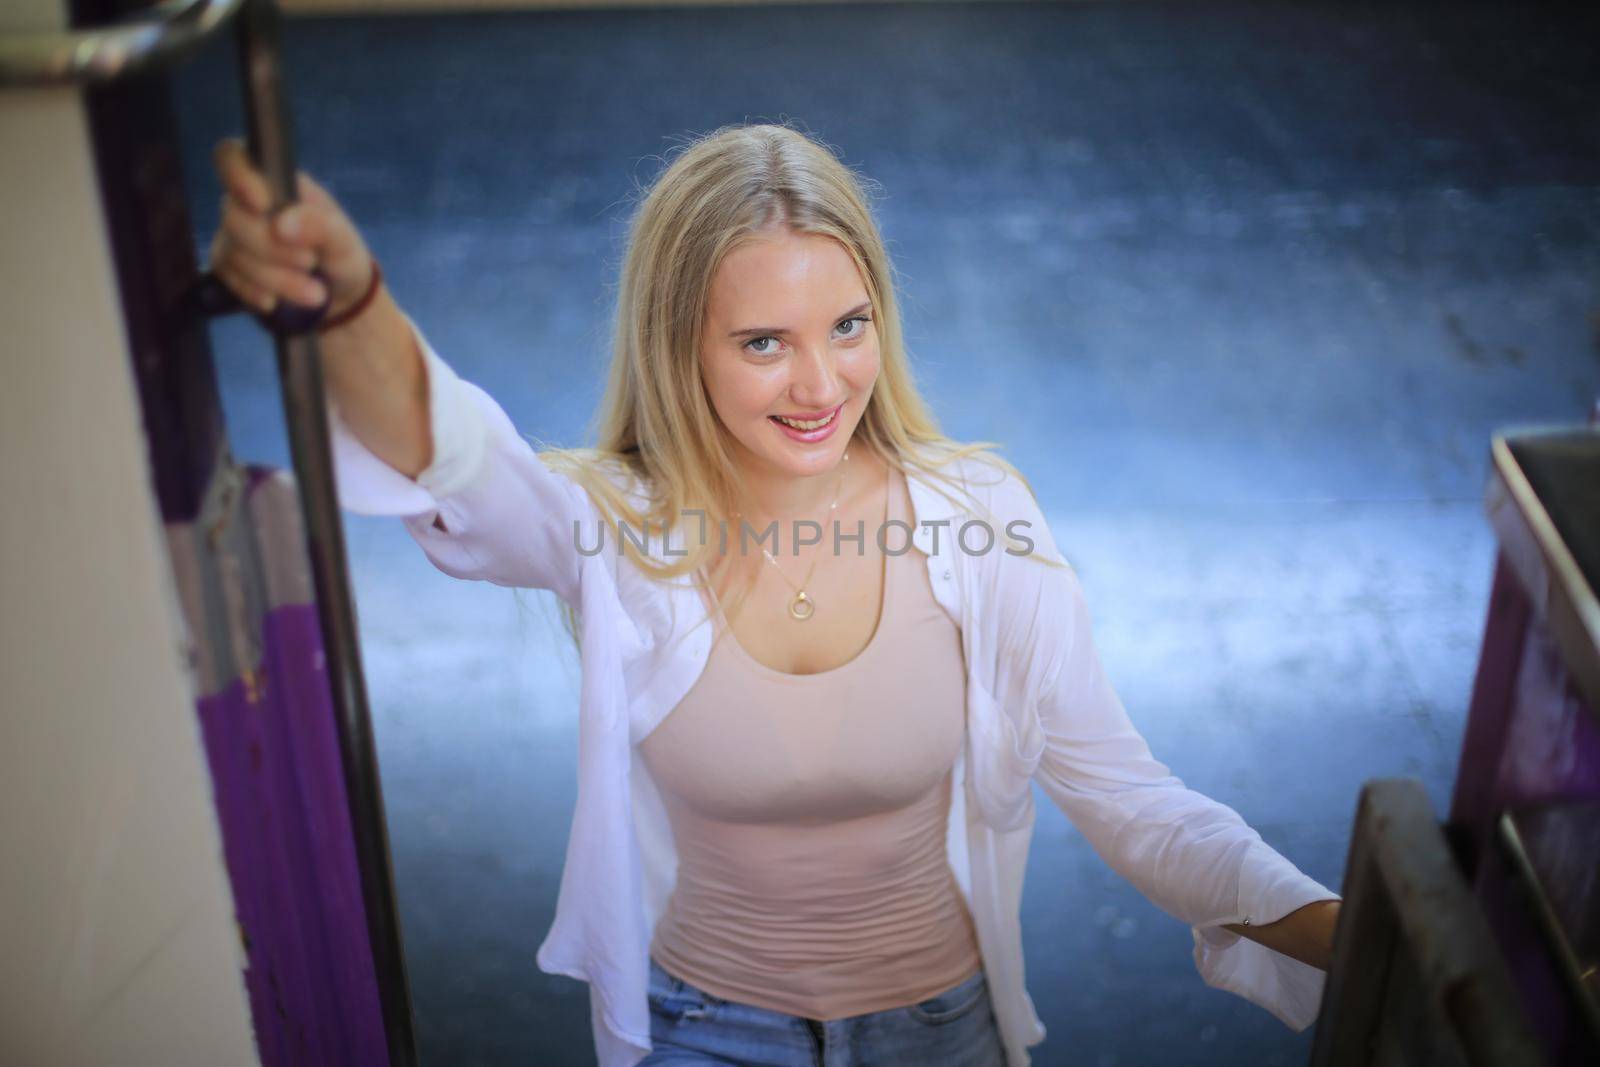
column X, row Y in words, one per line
column 815, row 381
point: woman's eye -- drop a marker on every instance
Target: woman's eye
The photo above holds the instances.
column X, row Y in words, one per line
column 864, row 320
column 752, row 345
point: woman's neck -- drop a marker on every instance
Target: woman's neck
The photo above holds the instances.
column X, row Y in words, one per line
column 787, row 499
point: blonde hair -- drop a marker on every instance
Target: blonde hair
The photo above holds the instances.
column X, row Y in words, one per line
column 655, row 429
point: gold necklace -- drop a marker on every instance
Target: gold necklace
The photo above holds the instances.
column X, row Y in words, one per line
column 801, row 606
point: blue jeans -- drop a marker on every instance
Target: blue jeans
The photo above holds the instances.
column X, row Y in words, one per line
column 691, row 1028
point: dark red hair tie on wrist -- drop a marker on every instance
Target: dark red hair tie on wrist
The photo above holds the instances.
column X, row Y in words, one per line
column 359, row 306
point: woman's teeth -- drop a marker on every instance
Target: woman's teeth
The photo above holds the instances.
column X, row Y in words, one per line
column 812, row 425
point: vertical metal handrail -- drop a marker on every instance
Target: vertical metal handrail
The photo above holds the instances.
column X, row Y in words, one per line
column 271, row 146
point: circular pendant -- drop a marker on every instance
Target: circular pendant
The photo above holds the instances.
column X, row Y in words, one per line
column 802, row 606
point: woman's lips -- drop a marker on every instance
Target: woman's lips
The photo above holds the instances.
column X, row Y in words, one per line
column 812, row 416
column 809, row 436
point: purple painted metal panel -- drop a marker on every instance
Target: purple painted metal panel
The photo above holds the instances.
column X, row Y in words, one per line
column 1530, row 737
column 1532, row 742
column 1551, row 856
column 1552, row 743
column 274, row 757
column 295, row 663
column 230, row 726
column 1474, row 804
column 1538, row 983
column 1541, row 988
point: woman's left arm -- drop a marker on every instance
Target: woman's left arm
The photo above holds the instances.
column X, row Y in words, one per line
column 1190, row 855
column 1194, row 857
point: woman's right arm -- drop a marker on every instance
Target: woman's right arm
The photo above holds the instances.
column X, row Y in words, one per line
column 409, row 437
column 485, row 507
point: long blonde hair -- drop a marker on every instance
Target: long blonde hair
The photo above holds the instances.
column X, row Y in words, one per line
column 655, row 429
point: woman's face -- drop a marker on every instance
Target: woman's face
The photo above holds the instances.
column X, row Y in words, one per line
column 789, row 331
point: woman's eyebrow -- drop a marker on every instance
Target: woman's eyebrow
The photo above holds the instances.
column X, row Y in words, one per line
column 778, row 331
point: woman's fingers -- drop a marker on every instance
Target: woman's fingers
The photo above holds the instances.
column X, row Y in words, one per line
column 294, row 285
column 247, row 245
column 254, row 278
column 245, row 250
column 310, row 191
column 247, row 291
column 248, row 212
column 301, row 227
column 245, row 182
column 263, row 253
column 254, row 234
column 239, row 175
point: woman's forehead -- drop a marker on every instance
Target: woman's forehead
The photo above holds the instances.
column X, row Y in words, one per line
column 785, row 276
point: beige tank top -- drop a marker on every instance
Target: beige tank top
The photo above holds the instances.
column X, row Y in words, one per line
column 809, row 813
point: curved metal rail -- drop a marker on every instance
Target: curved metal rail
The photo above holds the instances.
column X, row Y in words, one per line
column 154, row 38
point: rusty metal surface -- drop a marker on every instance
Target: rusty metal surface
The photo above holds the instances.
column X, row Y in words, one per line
column 1416, row 977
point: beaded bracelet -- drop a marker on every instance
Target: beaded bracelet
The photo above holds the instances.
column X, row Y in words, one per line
column 359, row 306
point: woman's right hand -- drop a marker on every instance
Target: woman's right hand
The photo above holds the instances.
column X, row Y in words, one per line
column 265, row 257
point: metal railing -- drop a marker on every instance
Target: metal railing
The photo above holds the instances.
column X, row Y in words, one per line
column 156, row 38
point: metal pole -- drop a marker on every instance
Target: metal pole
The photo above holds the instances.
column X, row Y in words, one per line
column 270, row 139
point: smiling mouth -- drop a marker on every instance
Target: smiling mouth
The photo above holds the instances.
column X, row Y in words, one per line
column 808, row 424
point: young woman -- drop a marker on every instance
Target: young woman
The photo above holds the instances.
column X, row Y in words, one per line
column 826, row 650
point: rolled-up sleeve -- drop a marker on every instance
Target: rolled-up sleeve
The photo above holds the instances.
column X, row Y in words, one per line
column 487, row 507
column 1190, row 855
